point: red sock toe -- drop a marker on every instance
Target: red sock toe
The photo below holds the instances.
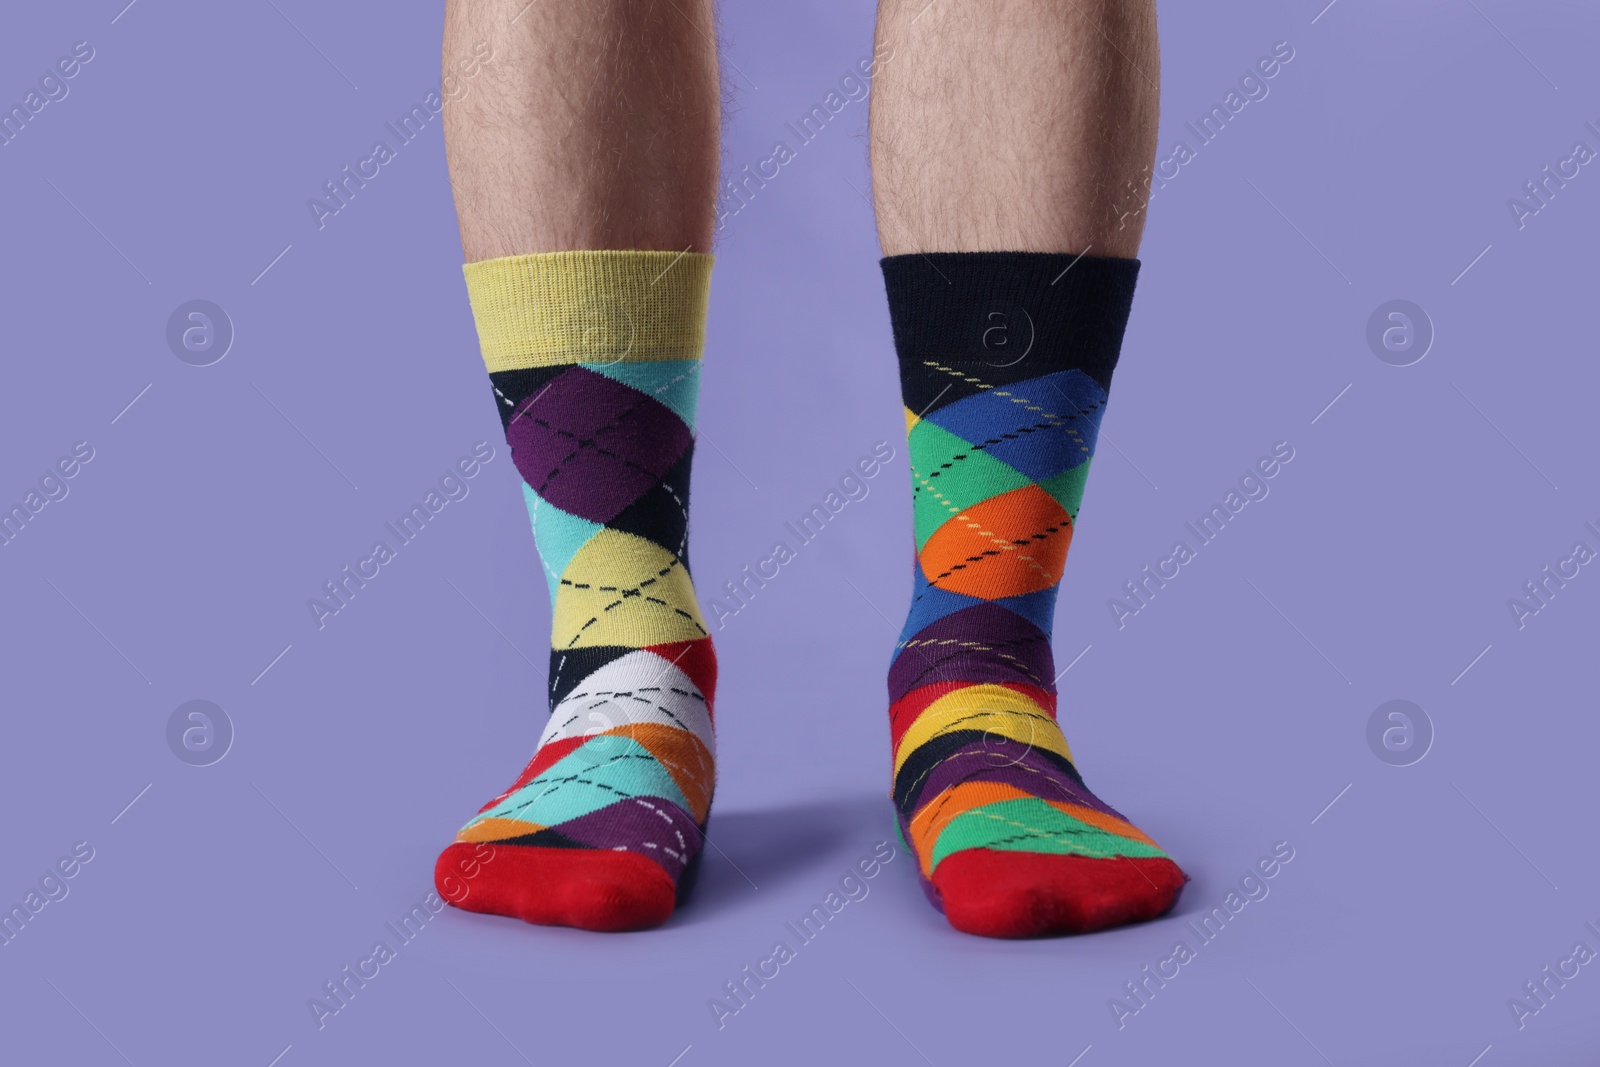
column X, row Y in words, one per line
column 587, row 888
column 995, row 893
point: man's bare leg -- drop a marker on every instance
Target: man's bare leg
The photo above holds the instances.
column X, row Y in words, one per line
column 594, row 126
column 584, row 160
column 1011, row 146
column 1014, row 125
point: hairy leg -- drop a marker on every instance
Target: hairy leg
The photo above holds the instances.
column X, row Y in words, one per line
column 1014, row 125
column 594, row 126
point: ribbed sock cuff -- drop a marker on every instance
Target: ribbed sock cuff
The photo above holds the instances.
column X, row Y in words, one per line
column 1039, row 309
column 589, row 307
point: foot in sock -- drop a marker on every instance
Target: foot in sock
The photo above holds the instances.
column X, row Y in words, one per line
column 1005, row 363
column 594, row 359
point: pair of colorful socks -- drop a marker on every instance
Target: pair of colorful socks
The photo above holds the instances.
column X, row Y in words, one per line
column 1005, row 363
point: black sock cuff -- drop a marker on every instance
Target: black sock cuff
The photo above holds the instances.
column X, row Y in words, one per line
column 1041, row 309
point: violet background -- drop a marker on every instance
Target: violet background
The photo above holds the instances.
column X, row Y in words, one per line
column 1415, row 906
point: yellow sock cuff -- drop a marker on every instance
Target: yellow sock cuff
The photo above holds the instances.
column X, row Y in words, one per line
column 589, row 307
